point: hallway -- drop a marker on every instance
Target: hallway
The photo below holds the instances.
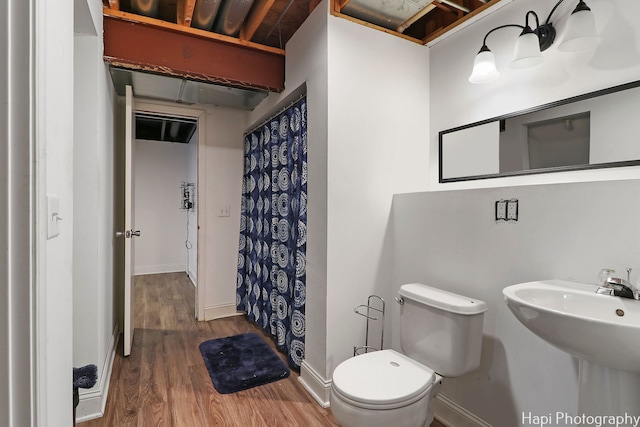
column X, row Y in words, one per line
column 165, row 383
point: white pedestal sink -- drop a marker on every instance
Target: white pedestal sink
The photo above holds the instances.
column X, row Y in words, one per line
column 602, row 331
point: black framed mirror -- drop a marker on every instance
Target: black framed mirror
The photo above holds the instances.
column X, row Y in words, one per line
column 599, row 129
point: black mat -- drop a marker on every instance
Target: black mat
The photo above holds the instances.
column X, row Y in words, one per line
column 240, row 362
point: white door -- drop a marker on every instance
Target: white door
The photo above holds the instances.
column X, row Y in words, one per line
column 129, row 226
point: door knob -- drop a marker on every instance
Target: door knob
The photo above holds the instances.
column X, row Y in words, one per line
column 119, row 233
column 135, row 233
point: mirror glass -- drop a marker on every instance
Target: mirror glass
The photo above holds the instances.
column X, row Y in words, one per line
column 595, row 130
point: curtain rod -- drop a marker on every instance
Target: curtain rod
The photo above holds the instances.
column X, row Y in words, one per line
column 277, row 113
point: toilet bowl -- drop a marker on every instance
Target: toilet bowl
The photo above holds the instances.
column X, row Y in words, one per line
column 383, row 388
column 440, row 336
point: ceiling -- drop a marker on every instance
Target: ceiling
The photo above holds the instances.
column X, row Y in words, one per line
column 241, row 43
column 273, row 22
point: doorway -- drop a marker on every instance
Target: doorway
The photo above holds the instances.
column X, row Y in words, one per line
column 166, row 176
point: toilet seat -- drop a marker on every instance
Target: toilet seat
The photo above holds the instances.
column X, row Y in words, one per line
column 382, row 380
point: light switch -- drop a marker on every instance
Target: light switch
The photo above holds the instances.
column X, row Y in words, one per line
column 501, row 210
column 53, row 216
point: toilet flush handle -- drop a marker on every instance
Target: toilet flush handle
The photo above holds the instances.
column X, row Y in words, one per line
column 399, row 300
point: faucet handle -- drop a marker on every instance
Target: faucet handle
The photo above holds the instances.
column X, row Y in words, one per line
column 604, row 275
column 621, row 287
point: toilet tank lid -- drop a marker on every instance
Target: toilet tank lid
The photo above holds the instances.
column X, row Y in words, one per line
column 441, row 299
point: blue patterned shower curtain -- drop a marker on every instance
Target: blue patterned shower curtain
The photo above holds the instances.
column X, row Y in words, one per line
column 273, row 229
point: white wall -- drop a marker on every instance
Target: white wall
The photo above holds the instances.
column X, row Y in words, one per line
column 94, row 321
column 53, row 111
column 367, row 95
column 159, row 169
column 450, row 240
column 377, row 142
column 616, row 60
column 220, row 181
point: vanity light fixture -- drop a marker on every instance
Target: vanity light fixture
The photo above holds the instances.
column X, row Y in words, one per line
column 580, row 35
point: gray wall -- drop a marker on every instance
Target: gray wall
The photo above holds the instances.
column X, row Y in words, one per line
column 450, row 240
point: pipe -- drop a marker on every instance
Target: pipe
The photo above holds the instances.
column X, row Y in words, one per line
column 232, row 15
column 409, row 22
column 205, row 13
column 278, row 20
column 455, row 5
column 145, row 7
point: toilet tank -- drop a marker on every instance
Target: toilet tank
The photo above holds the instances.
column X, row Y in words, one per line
column 440, row 329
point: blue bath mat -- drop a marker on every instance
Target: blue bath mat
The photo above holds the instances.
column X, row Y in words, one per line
column 240, row 362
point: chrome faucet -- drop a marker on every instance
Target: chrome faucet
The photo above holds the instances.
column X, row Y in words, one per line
column 618, row 287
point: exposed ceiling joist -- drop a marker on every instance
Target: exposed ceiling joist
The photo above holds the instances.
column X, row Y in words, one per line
column 415, row 17
column 434, row 35
column 256, row 17
column 433, row 19
column 188, row 38
column 185, row 11
column 148, row 44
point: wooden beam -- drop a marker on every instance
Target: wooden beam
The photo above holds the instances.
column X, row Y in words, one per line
column 141, row 43
column 114, row 4
column 255, row 18
column 313, row 4
column 468, row 16
column 185, row 12
column 131, row 17
column 338, row 5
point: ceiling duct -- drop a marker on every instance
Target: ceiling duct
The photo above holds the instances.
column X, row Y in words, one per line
column 174, row 89
column 155, row 127
column 145, row 7
column 205, row 13
column 385, row 13
column 231, row 16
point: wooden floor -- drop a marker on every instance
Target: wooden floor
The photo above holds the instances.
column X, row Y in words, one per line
column 164, row 381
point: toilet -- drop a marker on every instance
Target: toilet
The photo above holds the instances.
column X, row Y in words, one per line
column 440, row 336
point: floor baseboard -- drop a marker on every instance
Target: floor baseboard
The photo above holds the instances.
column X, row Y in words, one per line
column 92, row 403
column 143, row 270
column 451, row 414
column 220, row 311
column 318, row 387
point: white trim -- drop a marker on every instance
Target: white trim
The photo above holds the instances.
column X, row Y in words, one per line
column 93, row 402
column 451, row 414
column 22, row 355
column 142, row 270
column 220, row 311
column 201, row 200
column 318, row 387
column 192, row 278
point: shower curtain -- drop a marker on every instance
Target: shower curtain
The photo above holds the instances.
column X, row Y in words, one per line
column 273, row 229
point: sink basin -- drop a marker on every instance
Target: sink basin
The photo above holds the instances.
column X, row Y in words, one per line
column 599, row 329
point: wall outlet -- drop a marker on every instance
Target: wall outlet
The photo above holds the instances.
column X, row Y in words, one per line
column 224, row 211
column 512, row 210
column 501, row 210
